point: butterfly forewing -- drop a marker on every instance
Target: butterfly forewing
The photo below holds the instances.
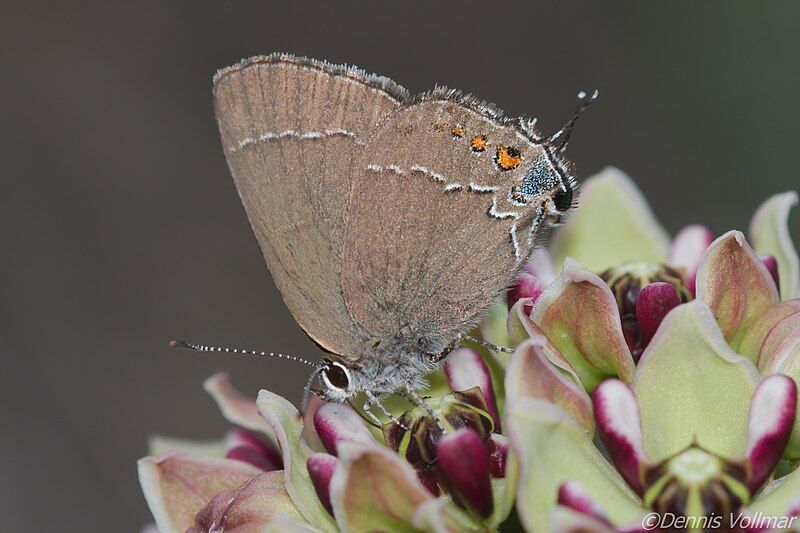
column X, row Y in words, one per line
column 424, row 255
column 292, row 129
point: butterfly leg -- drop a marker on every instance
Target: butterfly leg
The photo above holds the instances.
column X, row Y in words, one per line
column 372, row 399
column 441, row 356
column 490, row 345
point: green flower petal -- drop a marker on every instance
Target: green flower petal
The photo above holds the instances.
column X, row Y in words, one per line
column 160, row 445
column 373, row 489
column 614, row 225
column 287, row 425
column 769, row 231
column 438, row 515
column 551, row 448
column 780, row 354
column 281, row 523
column 537, row 370
column 778, row 496
column 692, row 386
column 579, row 315
column 735, row 284
column 177, row 486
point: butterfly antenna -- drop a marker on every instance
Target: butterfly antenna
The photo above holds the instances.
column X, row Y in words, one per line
column 307, row 391
column 242, row 351
column 560, row 139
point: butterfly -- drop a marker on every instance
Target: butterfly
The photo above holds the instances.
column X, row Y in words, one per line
column 389, row 221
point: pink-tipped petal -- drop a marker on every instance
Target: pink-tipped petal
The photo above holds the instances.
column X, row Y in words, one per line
column 526, row 286
column 687, row 251
column 248, row 508
column 464, row 459
column 579, row 314
column 465, row 369
column 176, row 486
column 235, row 407
column 374, row 485
column 753, row 340
column 573, row 494
column 321, row 467
column 498, row 455
column 772, row 413
column 772, row 267
column 654, row 302
column 336, row 422
column 735, row 284
column 537, row 370
column 619, row 423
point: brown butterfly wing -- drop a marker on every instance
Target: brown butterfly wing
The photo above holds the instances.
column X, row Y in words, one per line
column 291, row 130
column 425, row 257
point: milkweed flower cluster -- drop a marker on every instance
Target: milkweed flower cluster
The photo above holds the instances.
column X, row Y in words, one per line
column 652, row 385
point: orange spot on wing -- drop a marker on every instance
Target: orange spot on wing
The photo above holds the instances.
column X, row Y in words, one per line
column 458, row 132
column 478, row 143
column 508, row 158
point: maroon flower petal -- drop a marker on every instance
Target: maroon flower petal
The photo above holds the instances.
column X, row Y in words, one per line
column 336, row 422
column 247, row 446
column 320, row 469
column 465, row 369
column 251, row 456
column 654, row 302
column 772, row 413
column 772, row 266
column 687, row 251
column 526, row 286
column 498, row 455
column 464, row 459
column 619, row 424
column 573, row 495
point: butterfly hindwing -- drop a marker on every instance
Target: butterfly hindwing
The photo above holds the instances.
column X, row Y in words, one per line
column 426, row 251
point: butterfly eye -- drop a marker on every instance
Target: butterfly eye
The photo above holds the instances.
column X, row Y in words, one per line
column 336, row 376
column 563, row 199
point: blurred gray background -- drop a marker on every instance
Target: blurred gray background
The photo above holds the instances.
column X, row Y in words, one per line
column 121, row 227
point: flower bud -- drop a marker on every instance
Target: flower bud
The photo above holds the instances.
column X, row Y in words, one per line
column 526, row 286
column 418, row 436
column 627, row 282
column 464, row 459
column 320, row 468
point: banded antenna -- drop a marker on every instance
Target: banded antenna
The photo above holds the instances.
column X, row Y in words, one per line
column 241, row 351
